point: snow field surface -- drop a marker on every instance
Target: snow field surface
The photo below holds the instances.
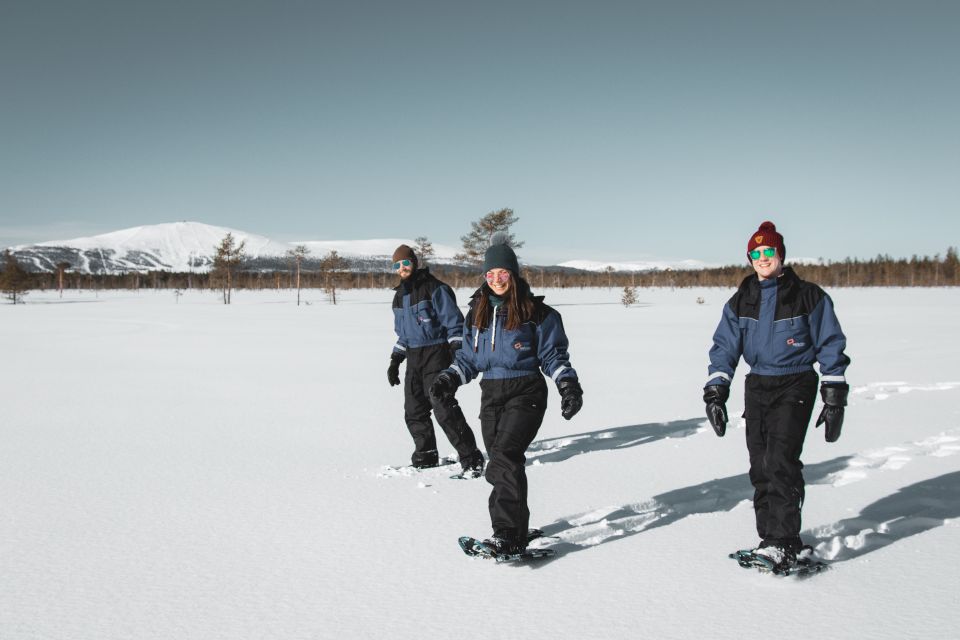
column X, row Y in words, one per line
column 194, row 470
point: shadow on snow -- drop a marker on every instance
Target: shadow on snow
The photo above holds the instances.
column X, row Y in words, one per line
column 723, row 494
column 566, row 447
column 911, row 510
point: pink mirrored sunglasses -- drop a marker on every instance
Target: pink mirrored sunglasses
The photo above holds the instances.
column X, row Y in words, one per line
column 503, row 276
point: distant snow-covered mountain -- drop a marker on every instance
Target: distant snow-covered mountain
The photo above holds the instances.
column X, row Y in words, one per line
column 186, row 246
column 649, row 265
column 175, row 246
column 378, row 248
column 660, row 265
column 190, row 246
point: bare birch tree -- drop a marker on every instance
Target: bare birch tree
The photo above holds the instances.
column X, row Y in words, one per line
column 299, row 253
column 61, row 270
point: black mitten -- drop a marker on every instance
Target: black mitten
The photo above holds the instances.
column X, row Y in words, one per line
column 715, row 395
column 393, row 371
column 571, row 397
column 834, row 400
column 444, row 388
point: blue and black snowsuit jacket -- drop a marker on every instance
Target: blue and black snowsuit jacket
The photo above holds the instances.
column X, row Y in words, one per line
column 425, row 313
column 780, row 327
column 540, row 343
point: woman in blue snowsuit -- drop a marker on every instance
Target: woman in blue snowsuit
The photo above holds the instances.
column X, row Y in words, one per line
column 781, row 325
column 509, row 337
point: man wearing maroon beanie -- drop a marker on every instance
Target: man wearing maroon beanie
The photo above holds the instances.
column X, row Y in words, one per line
column 781, row 326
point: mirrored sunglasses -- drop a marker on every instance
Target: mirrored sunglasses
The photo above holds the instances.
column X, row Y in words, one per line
column 503, row 276
column 401, row 263
column 768, row 252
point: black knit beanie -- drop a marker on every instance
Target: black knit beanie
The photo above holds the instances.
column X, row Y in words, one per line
column 500, row 255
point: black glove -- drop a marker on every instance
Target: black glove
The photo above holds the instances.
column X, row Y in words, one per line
column 444, row 387
column 715, row 395
column 834, row 400
column 454, row 347
column 393, row 371
column 571, row 397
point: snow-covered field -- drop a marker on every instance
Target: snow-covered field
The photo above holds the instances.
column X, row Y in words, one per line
column 193, row 470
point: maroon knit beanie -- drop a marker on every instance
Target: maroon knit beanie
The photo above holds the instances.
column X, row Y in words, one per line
column 767, row 236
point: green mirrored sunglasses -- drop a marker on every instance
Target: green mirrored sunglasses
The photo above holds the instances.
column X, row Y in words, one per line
column 768, row 252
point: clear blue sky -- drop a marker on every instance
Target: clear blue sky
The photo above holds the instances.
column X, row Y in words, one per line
column 615, row 130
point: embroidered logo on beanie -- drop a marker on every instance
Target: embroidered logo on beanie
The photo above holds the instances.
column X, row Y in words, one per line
column 768, row 236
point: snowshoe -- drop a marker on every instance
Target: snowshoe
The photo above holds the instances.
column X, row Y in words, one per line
column 780, row 562
column 502, row 550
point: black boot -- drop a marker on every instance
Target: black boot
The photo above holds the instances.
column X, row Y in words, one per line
column 506, row 543
column 782, row 552
column 425, row 459
column 472, row 465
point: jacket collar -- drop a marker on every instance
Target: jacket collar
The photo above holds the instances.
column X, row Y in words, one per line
column 416, row 278
column 786, row 287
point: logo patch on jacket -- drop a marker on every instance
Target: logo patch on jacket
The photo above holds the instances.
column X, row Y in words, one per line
column 519, row 346
column 794, row 343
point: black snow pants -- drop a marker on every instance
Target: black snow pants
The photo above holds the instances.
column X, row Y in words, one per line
column 423, row 365
column 511, row 412
column 778, row 410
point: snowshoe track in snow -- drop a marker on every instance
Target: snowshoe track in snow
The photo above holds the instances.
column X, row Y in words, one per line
column 409, row 471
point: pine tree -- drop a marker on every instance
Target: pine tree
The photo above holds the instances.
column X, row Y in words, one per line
column 330, row 265
column 14, row 280
column 227, row 259
column 424, row 250
column 629, row 296
column 951, row 266
column 476, row 242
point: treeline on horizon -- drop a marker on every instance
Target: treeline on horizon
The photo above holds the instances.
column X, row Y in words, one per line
column 882, row 271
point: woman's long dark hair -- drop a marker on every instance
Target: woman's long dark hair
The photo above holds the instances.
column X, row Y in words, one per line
column 519, row 304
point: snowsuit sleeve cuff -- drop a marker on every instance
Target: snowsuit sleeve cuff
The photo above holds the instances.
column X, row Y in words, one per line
column 463, row 378
column 718, row 378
